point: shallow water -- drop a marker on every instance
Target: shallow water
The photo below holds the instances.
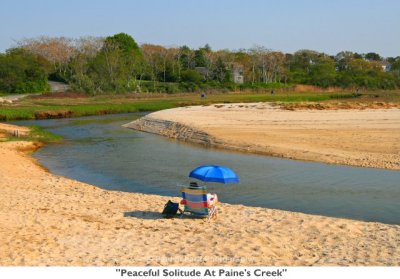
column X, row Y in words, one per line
column 99, row 151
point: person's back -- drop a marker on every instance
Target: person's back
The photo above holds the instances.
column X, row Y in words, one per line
column 197, row 201
column 212, row 199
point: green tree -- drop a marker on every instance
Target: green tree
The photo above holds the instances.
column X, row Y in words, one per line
column 395, row 66
column 125, row 43
column 200, row 58
column 187, row 58
column 301, row 63
column 323, row 72
column 23, row 72
column 191, row 76
column 221, row 71
column 372, row 56
column 116, row 66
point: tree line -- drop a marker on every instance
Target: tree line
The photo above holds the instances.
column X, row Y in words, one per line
column 118, row 64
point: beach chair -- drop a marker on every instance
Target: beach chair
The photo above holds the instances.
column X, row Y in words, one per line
column 195, row 203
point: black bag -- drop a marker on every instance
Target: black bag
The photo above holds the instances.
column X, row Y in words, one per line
column 170, row 209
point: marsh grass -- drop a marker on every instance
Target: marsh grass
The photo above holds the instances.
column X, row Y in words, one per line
column 36, row 134
column 30, row 108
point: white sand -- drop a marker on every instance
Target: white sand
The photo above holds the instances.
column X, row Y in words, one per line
column 367, row 138
column 50, row 220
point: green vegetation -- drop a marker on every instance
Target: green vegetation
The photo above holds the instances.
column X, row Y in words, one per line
column 346, row 69
column 22, row 72
column 36, row 134
column 104, row 70
column 53, row 107
column 117, row 64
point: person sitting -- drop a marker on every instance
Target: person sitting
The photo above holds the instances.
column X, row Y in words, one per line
column 212, row 199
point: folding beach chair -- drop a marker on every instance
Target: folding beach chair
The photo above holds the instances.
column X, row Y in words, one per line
column 195, row 203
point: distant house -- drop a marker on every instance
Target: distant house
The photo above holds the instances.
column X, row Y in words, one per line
column 386, row 66
column 206, row 73
column 237, row 73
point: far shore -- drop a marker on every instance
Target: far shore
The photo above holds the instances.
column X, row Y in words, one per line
column 358, row 137
column 47, row 219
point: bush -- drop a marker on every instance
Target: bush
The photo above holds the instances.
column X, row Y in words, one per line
column 22, row 72
column 191, row 76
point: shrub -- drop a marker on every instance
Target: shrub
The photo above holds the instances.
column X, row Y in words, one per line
column 191, row 76
column 22, row 72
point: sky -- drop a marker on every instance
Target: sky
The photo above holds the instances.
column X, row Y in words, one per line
column 327, row 26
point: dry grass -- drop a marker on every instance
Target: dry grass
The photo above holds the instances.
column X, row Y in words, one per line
column 339, row 105
column 311, row 88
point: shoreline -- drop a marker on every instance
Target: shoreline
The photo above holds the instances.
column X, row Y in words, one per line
column 334, row 136
column 47, row 219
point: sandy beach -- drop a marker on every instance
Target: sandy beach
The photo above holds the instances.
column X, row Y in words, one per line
column 51, row 220
column 357, row 137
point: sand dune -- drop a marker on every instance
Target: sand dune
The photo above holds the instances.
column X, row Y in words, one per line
column 50, row 220
column 366, row 138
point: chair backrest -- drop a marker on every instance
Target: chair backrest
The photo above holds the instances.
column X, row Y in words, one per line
column 195, row 201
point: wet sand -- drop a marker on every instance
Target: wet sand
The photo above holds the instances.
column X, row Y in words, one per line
column 365, row 138
column 51, row 220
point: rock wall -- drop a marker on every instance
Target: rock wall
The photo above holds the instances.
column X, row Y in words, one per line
column 172, row 130
column 185, row 133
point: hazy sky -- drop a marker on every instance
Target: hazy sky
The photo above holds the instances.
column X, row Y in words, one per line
column 287, row 25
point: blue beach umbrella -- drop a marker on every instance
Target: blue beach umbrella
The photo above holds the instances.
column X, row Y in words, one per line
column 212, row 173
